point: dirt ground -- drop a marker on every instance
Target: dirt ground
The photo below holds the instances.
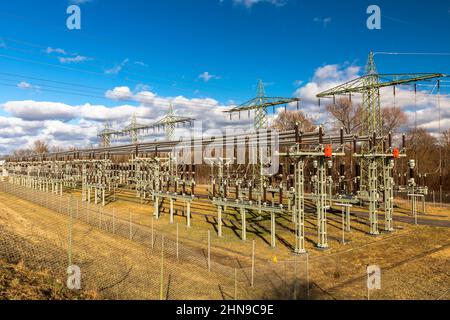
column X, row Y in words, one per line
column 18, row 283
column 414, row 259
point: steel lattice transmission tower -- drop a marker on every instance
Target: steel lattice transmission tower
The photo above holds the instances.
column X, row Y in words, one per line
column 369, row 86
column 371, row 118
column 170, row 121
column 261, row 112
column 132, row 129
column 105, row 135
column 261, row 104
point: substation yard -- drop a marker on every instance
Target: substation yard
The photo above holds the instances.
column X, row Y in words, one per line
column 414, row 260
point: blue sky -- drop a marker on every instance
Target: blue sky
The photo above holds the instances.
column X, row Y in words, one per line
column 204, row 49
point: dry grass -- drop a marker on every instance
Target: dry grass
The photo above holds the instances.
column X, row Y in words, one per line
column 414, row 259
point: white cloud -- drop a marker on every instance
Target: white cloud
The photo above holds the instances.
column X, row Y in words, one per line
column 117, row 68
column 206, row 76
column 140, row 63
column 65, row 125
column 50, row 50
column 24, row 85
column 39, row 110
column 119, row 93
column 75, row 59
column 329, row 76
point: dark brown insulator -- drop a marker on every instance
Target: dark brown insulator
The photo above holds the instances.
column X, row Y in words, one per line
column 320, row 135
column 390, row 139
column 342, row 170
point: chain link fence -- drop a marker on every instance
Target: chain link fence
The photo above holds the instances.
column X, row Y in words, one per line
column 120, row 259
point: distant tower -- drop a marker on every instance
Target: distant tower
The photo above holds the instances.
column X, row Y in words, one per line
column 261, row 114
column 133, row 129
column 260, row 104
column 371, row 120
column 170, row 126
column 105, row 135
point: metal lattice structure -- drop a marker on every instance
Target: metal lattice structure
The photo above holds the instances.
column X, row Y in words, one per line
column 369, row 86
column 169, row 123
column 260, row 105
column 105, row 135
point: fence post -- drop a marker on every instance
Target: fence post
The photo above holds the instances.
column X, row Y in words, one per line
column 87, row 212
column 253, row 263
column 153, row 236
column 177, row 243
column 69, row 240
column 131, row 230
column 209, row 250
column 114, row 220
column 307, row 275
column 295, row 277
column 161, row 289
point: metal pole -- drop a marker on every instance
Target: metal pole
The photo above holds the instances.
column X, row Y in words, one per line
column 209, row 250
column 343, row 225
column 161, row 290
column 235, row 284
column 272, row 228
column 171, row 210
column 114, row 220
column 177, row 243
column 188, row 213
column 131, row 231
column 307, row 275
column 219, row 218
column 244, row 227
column 253, row 263
column 153, row 235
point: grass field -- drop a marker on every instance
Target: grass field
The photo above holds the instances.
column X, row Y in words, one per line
column 414, row 259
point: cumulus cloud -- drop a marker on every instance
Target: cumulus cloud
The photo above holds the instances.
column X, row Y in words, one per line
column 329, row 76
column 65, row 125
column 119, row 93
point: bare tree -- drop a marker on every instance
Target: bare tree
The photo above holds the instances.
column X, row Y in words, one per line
column 347, row 114
column 22, row 152
column 40, row 147
column 286, row 120
column 393, row 119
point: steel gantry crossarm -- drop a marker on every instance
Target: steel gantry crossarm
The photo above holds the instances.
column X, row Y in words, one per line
column 260, row 105
column 360, row 85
